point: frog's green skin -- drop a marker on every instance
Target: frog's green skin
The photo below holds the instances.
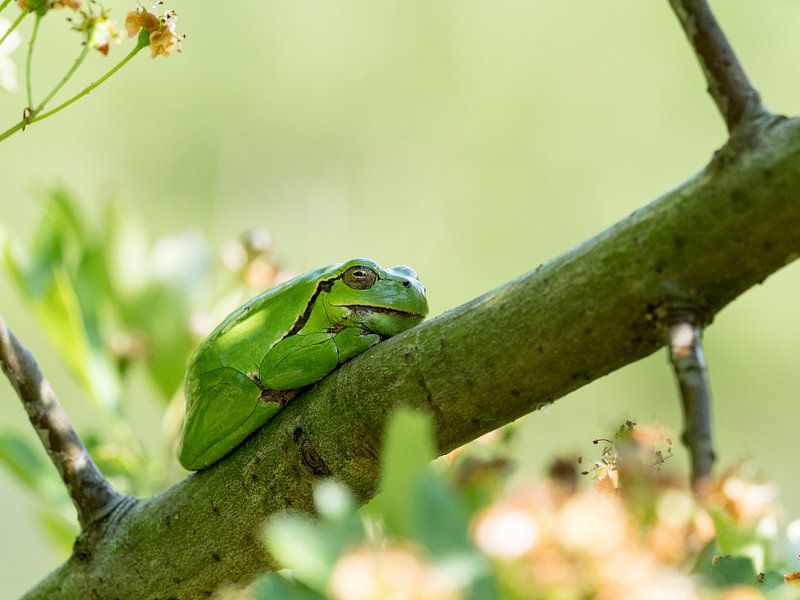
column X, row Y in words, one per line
column 287, row 338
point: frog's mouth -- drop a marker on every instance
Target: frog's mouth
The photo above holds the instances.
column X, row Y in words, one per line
column 363, row 309
column 383, row 321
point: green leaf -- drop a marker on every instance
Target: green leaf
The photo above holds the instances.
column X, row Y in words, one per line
column 64, row 214
column 60, row 313
column 161, row 308
column 484, row 588
column 60, row 528
column 24, row 461
column 297, row 544
column 730, row 571
column 163, row 315
column 66, row 280
column 408, row 451
column 724, row 571
column 126, row 250
column 277, row 587
column 704, row 563
column 772, row 579
column 57, row 243
column 114, row 459
column 736, row 541
column 310, row 549
column 439, row 520
column 440, row 523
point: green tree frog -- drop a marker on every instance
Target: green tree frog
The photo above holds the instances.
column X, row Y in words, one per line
column 286, row 338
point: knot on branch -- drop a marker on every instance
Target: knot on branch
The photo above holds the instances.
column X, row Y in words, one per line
column 309, row 455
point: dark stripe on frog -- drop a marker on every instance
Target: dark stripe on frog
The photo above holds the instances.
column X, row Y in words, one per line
column 323, row 286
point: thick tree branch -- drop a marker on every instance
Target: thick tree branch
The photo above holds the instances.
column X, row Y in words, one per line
column 584, row 314
column 737, row 100
column 686, row 355
column 90, row 492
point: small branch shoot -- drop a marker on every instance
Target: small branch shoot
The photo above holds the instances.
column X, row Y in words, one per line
column 90, row 492
column 688, row 362
column 13, row 26
column 737, row 100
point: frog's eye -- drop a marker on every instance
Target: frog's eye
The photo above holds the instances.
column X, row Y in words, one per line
column 359, row 277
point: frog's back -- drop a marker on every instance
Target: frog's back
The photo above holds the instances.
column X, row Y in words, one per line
column 247, row 334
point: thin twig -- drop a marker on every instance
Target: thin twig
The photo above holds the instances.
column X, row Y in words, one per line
column 736, row 98
column 688, row 361
column 35, row 116
column 67, row 76
column 92, row 85
column 13, row 26
column 90, row 492
column 29, row 60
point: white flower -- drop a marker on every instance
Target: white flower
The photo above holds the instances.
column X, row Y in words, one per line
column 8, row 70
column 506, row 532
column 104, row 33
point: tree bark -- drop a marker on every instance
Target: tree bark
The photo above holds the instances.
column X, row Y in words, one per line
column 574, row 319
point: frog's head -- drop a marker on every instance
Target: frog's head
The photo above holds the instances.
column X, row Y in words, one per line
column 385, row 301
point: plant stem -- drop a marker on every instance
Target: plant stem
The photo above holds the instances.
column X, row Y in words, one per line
column 84, row 53
column 4, row 4
column 13, row 26
column 29, row 60
column 34, row 115
column 88, row 88
column 12, row 130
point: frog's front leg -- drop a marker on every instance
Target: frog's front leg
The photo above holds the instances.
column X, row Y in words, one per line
column 352, row 341
column 298, row 360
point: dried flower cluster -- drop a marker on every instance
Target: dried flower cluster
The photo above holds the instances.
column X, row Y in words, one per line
column 100, row 30
column 554, row 543
column 97, row 30
column 164, row 38
column 29, row 5
column 635, row 534
column 71, row 4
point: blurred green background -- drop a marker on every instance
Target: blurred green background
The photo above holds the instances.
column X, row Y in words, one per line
column 472, row 140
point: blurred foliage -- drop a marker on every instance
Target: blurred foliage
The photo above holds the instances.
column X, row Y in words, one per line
column 635, row 532
column 112, row 303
